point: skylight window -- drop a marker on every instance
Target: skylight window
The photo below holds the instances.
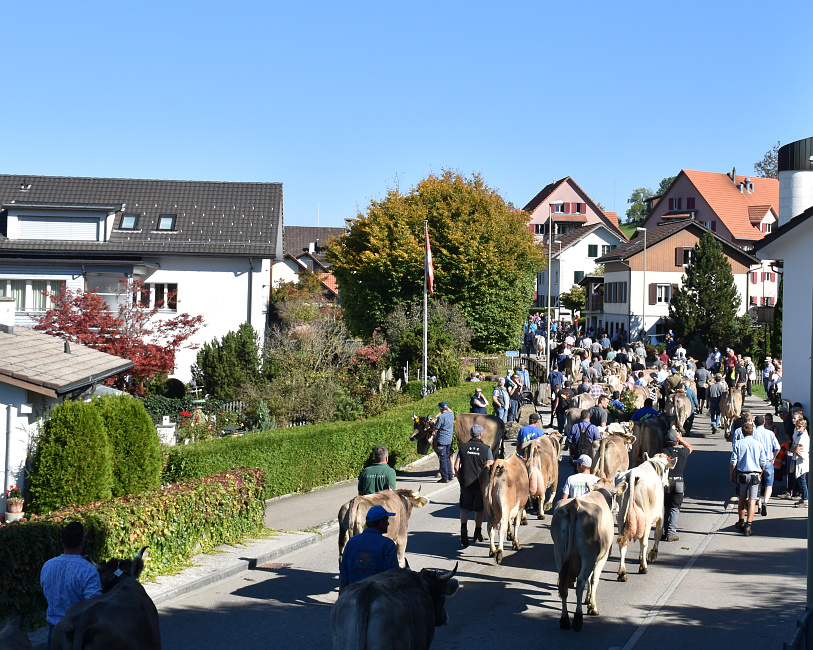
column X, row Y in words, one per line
column 128, row 221
column 166, row 222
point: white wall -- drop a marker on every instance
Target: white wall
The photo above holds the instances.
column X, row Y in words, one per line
column 285, row 271
column 795, row 194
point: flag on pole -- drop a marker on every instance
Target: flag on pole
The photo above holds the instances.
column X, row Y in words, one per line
column 430, row 271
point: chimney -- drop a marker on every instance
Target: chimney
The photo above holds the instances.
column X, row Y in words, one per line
column 749, row 185
column 734, row 175
column 7, row 314
column 311, row 248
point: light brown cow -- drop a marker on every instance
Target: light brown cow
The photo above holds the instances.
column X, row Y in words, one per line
column 493, row 429
column 505, row 486
column 572, row 366
column 679, row 407
column 540, row 345
column 582, row 532
column 582, row 401
column 612, row 454
column 613, row 383
column 649, row 435
column 641, row 507
column 641, row 395
column 353, row 517
column 543, row 469
column 730, row 409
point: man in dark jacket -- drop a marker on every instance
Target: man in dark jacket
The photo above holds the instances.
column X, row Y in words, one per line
column 471, row 458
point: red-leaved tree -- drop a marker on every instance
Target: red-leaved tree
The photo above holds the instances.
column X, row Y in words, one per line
column 133, row 332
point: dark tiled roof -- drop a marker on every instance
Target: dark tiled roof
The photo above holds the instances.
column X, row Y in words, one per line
column 664, row 231
column 570, row 238
column 40, row 360
column 212, row 217
column 296, row 239
column 544, row 193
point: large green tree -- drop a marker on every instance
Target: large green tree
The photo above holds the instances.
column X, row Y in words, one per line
column 707, row 303
column 638, row 207
column 485, row 259
column 224, row 367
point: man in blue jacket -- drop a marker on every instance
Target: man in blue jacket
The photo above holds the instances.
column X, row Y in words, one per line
column 369, row 552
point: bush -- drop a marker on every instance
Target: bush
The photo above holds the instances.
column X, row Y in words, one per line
column 134, row 449
column 158, row 406
column 71, row 463
column 302, row 458
column 175, row 523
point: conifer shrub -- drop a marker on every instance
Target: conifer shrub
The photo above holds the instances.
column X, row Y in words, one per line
column 71, row 463
column 134, row 448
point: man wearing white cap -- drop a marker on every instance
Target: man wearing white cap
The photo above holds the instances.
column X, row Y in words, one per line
column 579, row 483
column 369, row 552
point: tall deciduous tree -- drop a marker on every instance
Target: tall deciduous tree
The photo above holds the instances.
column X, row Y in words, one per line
column 224, row 367
column 484, row 255
column 133, row 332
column 638, row 207
column 573, row 299
column 768, row 167
column 708, row 301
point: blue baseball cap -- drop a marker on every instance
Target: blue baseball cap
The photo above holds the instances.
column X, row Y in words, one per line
column 377, row 513
column 443, row 405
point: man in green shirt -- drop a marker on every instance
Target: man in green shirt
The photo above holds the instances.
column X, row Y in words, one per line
column 379, row 476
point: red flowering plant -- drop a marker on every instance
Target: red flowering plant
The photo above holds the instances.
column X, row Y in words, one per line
column 14, row 493
column 195, row 426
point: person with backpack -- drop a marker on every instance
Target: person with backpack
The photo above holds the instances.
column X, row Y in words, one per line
column 582, row 436
column 561, row 404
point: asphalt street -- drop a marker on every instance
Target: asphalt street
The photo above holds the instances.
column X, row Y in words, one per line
column 714, row 588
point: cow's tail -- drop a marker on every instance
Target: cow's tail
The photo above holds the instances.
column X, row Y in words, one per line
column 599, row 469
column 365, row 598
column 564, row 572
column 630, row 520
column 535, row 482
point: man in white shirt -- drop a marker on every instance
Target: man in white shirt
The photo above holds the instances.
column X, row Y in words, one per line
column 579, row 483
column 680, row 351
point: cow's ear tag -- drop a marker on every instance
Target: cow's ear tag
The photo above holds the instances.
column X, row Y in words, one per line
column 118, row 573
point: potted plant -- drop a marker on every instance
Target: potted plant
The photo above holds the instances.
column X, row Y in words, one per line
column 14, row 499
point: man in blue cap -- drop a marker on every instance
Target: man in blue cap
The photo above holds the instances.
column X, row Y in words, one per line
column 444, row 427
column 369, row 552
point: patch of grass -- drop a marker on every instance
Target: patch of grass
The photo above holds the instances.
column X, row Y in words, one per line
column 758, row 390
column 628, row 229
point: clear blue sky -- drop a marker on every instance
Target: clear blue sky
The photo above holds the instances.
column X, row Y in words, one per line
column 340, row 100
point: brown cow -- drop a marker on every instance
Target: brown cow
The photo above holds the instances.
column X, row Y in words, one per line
column 730, row 409
column 353, row 517
column 493, row 430
column 649, row 435
column 543, row 469
column 679, row 407
column 641, row 507
column 582, row 401
column 582, row 532
column 505, row 487
column 423, row 434
column 123, row 616
column 611, row 455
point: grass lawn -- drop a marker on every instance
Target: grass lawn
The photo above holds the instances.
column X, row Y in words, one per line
column 758, row 390
column 628, row 229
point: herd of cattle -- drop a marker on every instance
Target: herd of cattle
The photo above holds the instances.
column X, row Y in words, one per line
column 632, row 475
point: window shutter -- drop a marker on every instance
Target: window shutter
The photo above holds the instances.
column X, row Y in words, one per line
column 653, row 293
column 753, row 277
column 753, row 300
column 679, row 256
column 584, row 208
column 713, row 226
column 567, row 208
column 674, row 288
column 679, row 201
column 532, row 227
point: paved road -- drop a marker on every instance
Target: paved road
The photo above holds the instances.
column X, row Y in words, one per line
column 713, row 588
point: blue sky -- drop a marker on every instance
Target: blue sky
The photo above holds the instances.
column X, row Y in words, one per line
column 339, row 101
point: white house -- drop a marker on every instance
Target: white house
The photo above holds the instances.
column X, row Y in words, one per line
column 304, row 250
column 563, row 208
column 574, row 255
column 38, row 371
column 204, row 248
column 792, row 243
column 637, row 292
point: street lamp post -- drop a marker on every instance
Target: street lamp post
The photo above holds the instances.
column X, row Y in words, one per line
column 559, row 283
column 643, row 311
column 547, row 315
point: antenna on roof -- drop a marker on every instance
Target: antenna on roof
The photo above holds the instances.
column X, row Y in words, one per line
column 318, row 208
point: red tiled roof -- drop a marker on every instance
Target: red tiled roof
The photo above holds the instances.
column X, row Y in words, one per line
column 756, row 213
column 569, row 218
column 329, row 281
column 613, row 218
column 732, row 206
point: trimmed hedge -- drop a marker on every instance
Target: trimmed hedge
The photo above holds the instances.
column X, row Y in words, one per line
column 72, row 461
column 134, row 447
column 302, row 458
column 174, row 522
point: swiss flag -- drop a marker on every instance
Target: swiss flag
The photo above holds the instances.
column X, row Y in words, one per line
column 430, row 271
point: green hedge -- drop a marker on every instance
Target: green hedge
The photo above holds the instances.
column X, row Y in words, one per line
column 302, row 458
column 174, row 522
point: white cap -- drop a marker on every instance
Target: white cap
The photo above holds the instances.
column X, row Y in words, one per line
column 585, row 461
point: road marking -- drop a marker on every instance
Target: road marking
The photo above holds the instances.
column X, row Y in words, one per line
column 653, row 613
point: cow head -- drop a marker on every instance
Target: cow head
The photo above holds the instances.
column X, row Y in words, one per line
column 111, row 571
column 440, row 584
column 422, row 433
column 412, row 498
column 662, row 464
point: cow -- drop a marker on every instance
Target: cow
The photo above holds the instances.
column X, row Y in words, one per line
column 353, row 517
column 505, row 487
column 493, row 430
column 543, row 469
column 613, row 383
column 123, row 616
column 582, row 401
column 730, row 409
column 641, row 395
column 611, row 454
column 642, row 506
column 572, row 416
column 13, row 638
column 679, row 408
column 539, row 345
column 423, row 433
column 649, row 436
column 397, row 609
column 582, row 532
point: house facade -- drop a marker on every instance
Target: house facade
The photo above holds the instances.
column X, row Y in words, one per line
column 564, row 211
column 574, row 256
column 791, row 243
column 636, row 293
column 203, row 248
column 739, row 209
column 304, row 250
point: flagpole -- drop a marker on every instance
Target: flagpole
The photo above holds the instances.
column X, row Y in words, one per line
column 425, row 303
